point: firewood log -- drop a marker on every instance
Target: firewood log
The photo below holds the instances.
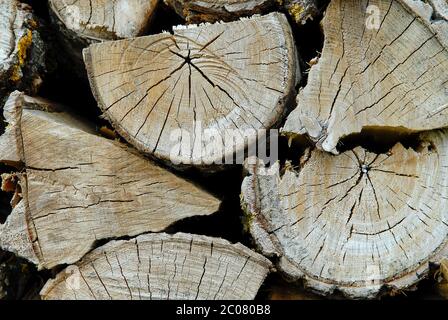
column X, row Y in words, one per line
column 22, row 51
column 359, row 223
column 162, row 266
column 196, row 11
column 220, row 78
column 383, row 65
column 79, row 188
column 96, row 20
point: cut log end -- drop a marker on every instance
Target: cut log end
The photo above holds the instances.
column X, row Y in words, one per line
column 162, row 266
column 381, row 66
column 96, row 20
column 166, row 94
column 78, row 188
column 359, row 222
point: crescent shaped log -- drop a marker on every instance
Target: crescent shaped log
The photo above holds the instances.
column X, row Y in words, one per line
column 160, row 267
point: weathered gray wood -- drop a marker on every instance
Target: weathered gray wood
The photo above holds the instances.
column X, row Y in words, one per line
column 359, row 222
column 162, row 266
column 383, row 65
column 96, row 20
column 79, row 188
column 226, row 76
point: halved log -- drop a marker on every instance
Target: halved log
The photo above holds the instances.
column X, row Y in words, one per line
column 220, row 78
column 21, row 48
column 162, row 266
column 78, row 187
column 358, row 222
column 96, row 20
column 383, row 65
column 196, row 11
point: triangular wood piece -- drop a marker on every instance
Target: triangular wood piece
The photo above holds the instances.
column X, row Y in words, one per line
column 384, row 64
column 220, row 78
column 162, row 266
column 104, row 19
column 79, row 188
column 358, row 222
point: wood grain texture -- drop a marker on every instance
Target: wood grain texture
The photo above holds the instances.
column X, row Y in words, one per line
column 162, row 266
column 225, row 76
column 79, row 188
column 104, row 19
column 358, row 222
column 392, row 76
column 197, row 11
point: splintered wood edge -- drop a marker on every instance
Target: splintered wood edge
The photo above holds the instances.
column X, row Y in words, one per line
column 268, row 244
column 114, row 245
column 423, row 12
column 283, row 102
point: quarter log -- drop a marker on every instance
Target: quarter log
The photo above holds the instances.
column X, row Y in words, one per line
column 383, row 64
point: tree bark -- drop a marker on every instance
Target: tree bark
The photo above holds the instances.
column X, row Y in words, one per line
column 195, row 11
column 235, row 77
column 162, row 266
column 360, row 223
column 302, row 10
column 79, row 188
column 22, row 52
column 381, row 66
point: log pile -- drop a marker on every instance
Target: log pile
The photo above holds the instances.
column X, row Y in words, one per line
column 354, row 204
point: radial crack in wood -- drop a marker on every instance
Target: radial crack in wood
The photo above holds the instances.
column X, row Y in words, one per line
column 104, row 19
column 358, row 222
column 196, row 11
column 171, row 94
column 162, row 266
column 22, row 51
column 78, row 188
column 383, row 64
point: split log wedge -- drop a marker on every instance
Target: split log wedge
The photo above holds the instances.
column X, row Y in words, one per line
column 78, row 187
column 196, row 11
column 96, row 20
column 360, row 223
column 162, row 266
column 215, row 79
column 383, row 64
column 21, row 48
